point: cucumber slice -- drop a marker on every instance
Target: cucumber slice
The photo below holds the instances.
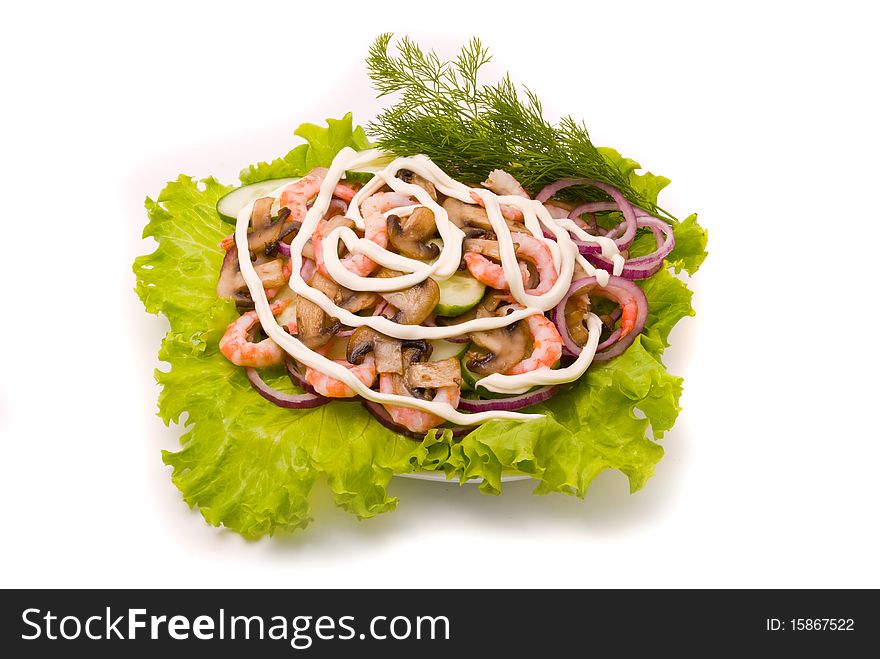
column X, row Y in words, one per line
column 230, row 204
column 443, row 349
column 458, row 294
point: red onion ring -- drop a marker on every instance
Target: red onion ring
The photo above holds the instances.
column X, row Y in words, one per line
column 298, row 378
column 284, row 249
column 610, row 340
column 508, row 404
column 622, row 203
column 640, row 267
column 290, row 401
column 663, row 249
column 382, row 416
column 617, row 289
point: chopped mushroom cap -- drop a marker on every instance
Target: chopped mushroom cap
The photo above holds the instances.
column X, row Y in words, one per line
column 398, row 386
column 355, row 301
column 271, row 273
column 499, row 349
column 314, row 327
column 349, row 300
column 432, row 375
column 230, row 281
column 386, row 350
column 488, row 248
column 462, row 214
column 409, row 244
column 414, row 304
column 576, row 310
column 420, row 225
column 408, row 176
column 327, row 286
column 263, row 229
column 416, row 350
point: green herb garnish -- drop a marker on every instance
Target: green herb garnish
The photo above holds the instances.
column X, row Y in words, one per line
column 470, row 129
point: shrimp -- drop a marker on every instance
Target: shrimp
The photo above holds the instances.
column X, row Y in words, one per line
column 527, row 247
column 502, row 183
column 297, row 195
column 241, row 351
column 546, row 346
column 345, row 191
column 491, row 273
column 629, row 308
column 410, row 418
column 508, row 212
column 307, row 271
column 332, row 388
column 375, row 229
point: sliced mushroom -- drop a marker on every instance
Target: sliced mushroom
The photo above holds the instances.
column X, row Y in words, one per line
column 398, row 386
column 387, row 351
column 271, row 273
column 286, row 235
column 416, row 350
column 328, row 287
column 408, row 176
column 352, row 301
column 414, row 304
column 432, row 375
column 355, row 301
column 263, row 229
column 230, row 281
column 516, row 227
column 421, row 224
column 314, row 327
column 462, row 214
column 576, row 310
column 491, row 301
column 409, row 244
column 500, row 349
column 488, row 248
column 477, row 232
column 243, row 301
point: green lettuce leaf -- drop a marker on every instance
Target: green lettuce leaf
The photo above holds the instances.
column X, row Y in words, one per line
column 322, row 144
column 690, row 238
column 250, row 466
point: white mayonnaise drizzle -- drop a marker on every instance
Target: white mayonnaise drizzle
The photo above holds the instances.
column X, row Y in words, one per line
column 536, row 217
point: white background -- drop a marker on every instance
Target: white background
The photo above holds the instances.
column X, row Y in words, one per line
column 764, row 116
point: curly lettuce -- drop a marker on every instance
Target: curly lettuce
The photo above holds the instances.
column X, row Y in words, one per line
column 250, row 466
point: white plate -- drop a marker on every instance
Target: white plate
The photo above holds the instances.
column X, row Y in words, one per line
column 441, row 477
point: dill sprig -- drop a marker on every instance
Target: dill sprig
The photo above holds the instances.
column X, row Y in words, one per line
column 469, row 129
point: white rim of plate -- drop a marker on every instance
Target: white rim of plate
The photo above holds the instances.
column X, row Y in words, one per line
column 440, row 477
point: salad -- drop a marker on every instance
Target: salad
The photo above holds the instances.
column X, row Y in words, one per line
column 494, row 291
